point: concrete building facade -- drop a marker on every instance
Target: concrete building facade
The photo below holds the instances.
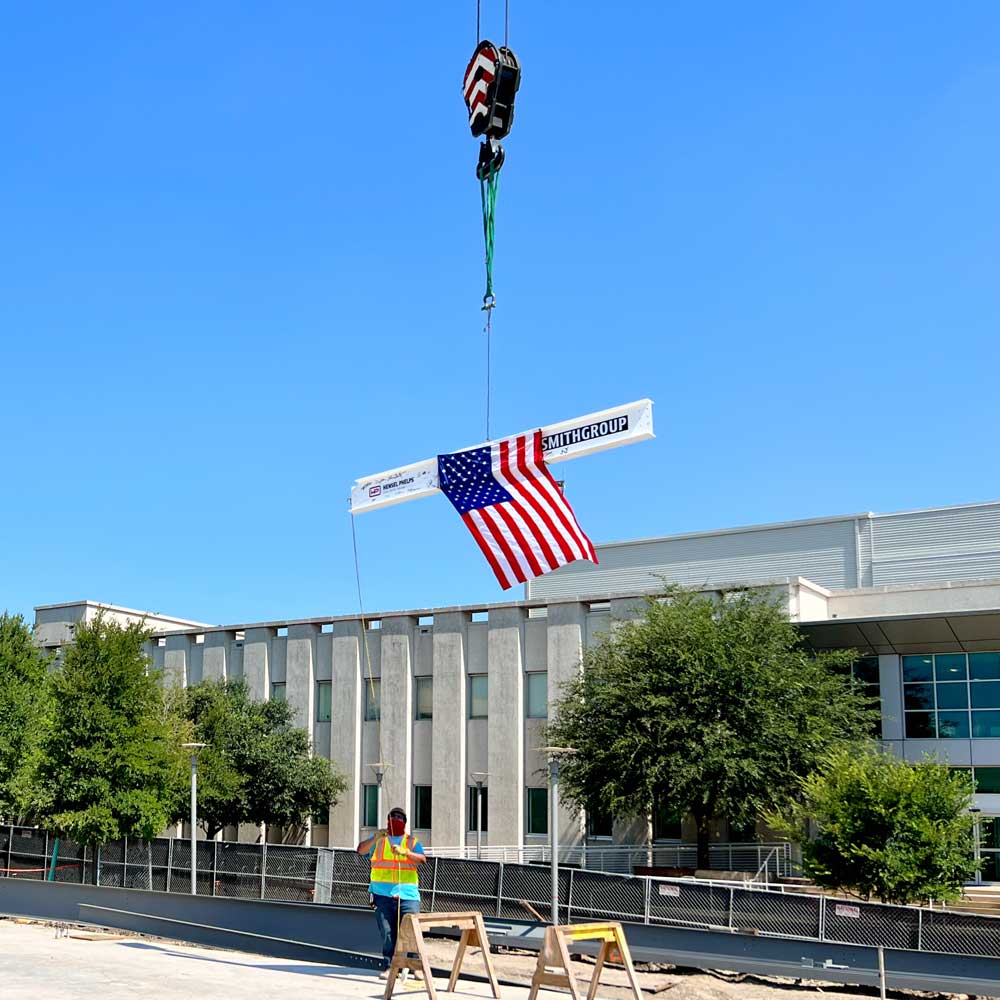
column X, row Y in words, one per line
column 437, row 697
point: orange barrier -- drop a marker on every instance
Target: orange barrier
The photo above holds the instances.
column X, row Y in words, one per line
column 554, row 969
column 411, row 939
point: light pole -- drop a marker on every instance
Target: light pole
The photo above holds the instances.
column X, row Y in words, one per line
column 977, row 844
column 554, row 755
column 479, row 777
column 195, row 749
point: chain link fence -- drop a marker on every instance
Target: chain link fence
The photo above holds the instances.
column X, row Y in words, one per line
column 498, row 889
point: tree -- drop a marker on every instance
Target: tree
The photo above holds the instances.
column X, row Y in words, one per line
column 897, row 831
column 703, row 707
column 256, row 767
column 24, row 705
column 110, row 765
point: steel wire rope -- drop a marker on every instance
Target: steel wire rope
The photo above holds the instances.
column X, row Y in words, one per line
column 364, row 635
column 378, row 717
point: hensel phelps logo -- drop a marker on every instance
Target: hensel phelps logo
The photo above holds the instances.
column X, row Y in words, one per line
column 376, row 491
column 588, row 432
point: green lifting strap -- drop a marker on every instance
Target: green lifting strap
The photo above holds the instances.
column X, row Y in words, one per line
column 488, row 190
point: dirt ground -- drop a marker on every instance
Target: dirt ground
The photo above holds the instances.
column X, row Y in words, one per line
column 669, row 984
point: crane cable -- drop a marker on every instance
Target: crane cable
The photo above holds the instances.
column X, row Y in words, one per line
column 364, row 634
column 378, row 716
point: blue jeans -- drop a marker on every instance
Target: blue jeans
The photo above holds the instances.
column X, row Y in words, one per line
column 389, row 912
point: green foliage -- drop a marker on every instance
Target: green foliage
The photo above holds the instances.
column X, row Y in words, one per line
column 706, row 708
column 257, row 766
column 24, row 711
column 897, row 831
column 110, row 765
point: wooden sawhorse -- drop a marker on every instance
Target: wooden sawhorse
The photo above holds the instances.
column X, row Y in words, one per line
column 554, row 969
column 411, row 938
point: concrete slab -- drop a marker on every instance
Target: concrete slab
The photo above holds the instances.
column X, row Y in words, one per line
column 35, row 963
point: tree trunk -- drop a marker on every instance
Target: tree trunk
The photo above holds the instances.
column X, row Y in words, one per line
column 704, row 839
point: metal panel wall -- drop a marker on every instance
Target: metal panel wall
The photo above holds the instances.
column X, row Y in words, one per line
column 951, row 543
column 947, row 543
column 824, row 552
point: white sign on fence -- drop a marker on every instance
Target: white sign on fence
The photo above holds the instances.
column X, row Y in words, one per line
column 575, row 438
column 670, row 890
column 846, row 910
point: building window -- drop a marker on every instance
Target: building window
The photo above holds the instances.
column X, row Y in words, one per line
column 373, row 699
column 474, row 806
column 423, row 697
column 742, row 833
column 666, row 825
column 479, row 696
column 538, row 810
column 321, row 817
column 987, row 779
column 421, row 807
column 952, row 696
column 370, row 805
column 324, row 691
column 536, row 695
column 278, row 691
column 599, row 823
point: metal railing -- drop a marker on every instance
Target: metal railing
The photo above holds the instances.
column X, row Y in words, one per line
column 762, row 861
column 246, row 871
column 500, row 889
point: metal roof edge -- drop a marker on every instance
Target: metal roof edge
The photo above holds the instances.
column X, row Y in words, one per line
column 805, row 522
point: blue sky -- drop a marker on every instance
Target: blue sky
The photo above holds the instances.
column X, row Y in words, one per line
column 241, row 265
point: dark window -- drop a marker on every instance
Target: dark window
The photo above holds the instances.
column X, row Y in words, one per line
column 984, row 666
column 918, row 668
column 474, row 805
column 373, row 699
column 985, row 694
column 370, row 805
column 479, row 696
column 599, row 823
column 866, row 670
column 421, row 807
column 985, row 724
column 536, row 695
column 324, row 692
column 666, row 825
column 920, row 725
column 950, row 667
column 742, row 833
column 278, row 691
column 538, row 810
column 423, row 697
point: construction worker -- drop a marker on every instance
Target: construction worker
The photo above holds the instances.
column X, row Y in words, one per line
column 394, row 890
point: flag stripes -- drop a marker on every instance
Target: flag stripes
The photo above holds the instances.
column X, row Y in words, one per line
column 513, row 508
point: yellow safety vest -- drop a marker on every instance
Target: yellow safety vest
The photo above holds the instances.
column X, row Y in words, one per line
column 390, row 865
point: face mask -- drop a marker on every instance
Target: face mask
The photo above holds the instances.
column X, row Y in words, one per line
column 397, row 827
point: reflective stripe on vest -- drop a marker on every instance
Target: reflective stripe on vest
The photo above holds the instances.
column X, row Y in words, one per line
column 388, row 866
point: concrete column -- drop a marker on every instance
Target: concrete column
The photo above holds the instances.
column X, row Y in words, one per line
column 215, row 662
column 176, row 659
column 300, row 673
column 449, row 779
column 345, row 731
column 397, row 712
column 505, row 658
column 891, row 690
column 565, row 637
column 257, row 662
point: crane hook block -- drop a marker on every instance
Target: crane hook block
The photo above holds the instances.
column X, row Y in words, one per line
column 491, row 82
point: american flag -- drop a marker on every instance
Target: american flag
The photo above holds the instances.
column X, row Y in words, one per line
column 513, row 507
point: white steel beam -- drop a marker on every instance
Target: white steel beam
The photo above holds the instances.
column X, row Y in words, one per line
column 626, row 424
